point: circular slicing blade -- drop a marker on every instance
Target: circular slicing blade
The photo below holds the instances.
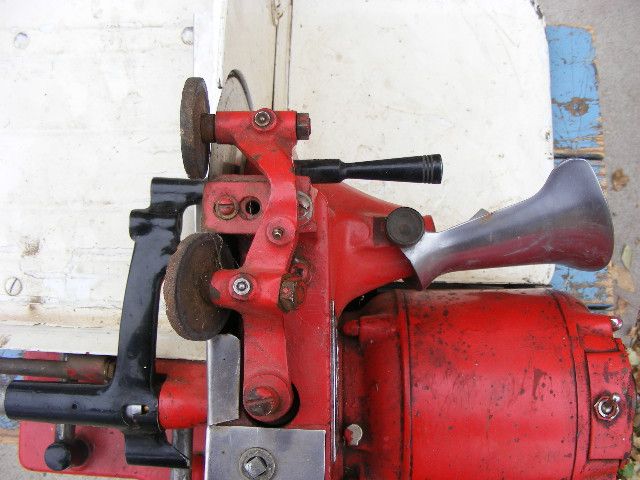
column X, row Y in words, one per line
column 187, row 290
column 195, row 152
column 227, row 159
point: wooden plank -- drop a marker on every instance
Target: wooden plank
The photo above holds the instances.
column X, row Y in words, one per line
column 91, row 116
column 577, row 133
column 577, row 126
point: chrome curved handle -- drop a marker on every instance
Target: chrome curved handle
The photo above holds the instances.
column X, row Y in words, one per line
column 566, row 222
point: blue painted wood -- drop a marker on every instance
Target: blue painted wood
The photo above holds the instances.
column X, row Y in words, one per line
column 574, row 90
column 577, row 132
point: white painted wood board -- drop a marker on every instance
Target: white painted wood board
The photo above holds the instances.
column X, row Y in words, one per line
column 468, row 79
column 90, row 95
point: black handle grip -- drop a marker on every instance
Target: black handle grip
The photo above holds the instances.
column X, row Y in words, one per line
column 419, row 169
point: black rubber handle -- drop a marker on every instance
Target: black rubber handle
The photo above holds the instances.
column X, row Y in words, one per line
column 419, row 169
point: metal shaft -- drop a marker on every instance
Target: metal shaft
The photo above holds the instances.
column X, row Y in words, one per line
column 84, row 368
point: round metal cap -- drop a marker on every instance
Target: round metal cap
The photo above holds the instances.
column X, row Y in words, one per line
column 195, row 152
column 187, row 290
column 405, row 226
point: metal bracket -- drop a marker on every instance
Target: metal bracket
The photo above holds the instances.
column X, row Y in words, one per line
column 295, row 453
column 223, row 379
column 130, row 401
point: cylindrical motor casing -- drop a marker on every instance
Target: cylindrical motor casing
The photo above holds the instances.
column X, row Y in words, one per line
column 492, row 384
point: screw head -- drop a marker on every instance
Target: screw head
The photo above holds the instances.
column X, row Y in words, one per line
column 13, row 286
column 277, row 233
column 226, row 208
column 353, row 435
column 241, row 286
column 261, row 401
column 262, row 118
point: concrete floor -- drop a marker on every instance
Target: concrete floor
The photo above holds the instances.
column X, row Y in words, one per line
column 617, row 40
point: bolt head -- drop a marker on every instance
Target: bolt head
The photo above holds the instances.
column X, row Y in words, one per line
column 616, row 323
column 241, row 286
column 226, row 208
column 262, row 118
column 303, row 126
column 353, row 435
column 262, row 401
column 277, row 233
column 254, row 467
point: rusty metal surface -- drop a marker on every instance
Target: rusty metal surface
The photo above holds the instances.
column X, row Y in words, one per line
column 506, row 378
column 195, row 151
column 186, row 286
column 82, row 368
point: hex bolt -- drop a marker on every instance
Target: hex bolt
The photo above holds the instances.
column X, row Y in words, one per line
column 303, row 126
column 262, row 118
column 13, row 286
column 226, row 208
column 616, row 323
column 261, row 401
column 277, row 233
column 241, row 286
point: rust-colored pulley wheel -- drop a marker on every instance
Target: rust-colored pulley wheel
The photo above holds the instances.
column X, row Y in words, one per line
column 195, row 151
column 187, row 290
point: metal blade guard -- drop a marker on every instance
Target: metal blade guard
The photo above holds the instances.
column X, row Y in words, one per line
column 566, row 222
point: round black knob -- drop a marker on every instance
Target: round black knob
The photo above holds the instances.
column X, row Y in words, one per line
column 405, row 226
column 57, row 456
column 61, row 455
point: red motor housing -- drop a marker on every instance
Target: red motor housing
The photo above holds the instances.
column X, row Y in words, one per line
column 484, row 384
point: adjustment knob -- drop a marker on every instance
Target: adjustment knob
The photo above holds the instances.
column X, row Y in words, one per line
column 61, row 455
column 404, row 226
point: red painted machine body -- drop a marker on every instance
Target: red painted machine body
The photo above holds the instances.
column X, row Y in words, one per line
column 484, row 384
column 443, row 384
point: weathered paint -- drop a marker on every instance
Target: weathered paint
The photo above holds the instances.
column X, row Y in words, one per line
column 577, row 132
column 574, row 92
